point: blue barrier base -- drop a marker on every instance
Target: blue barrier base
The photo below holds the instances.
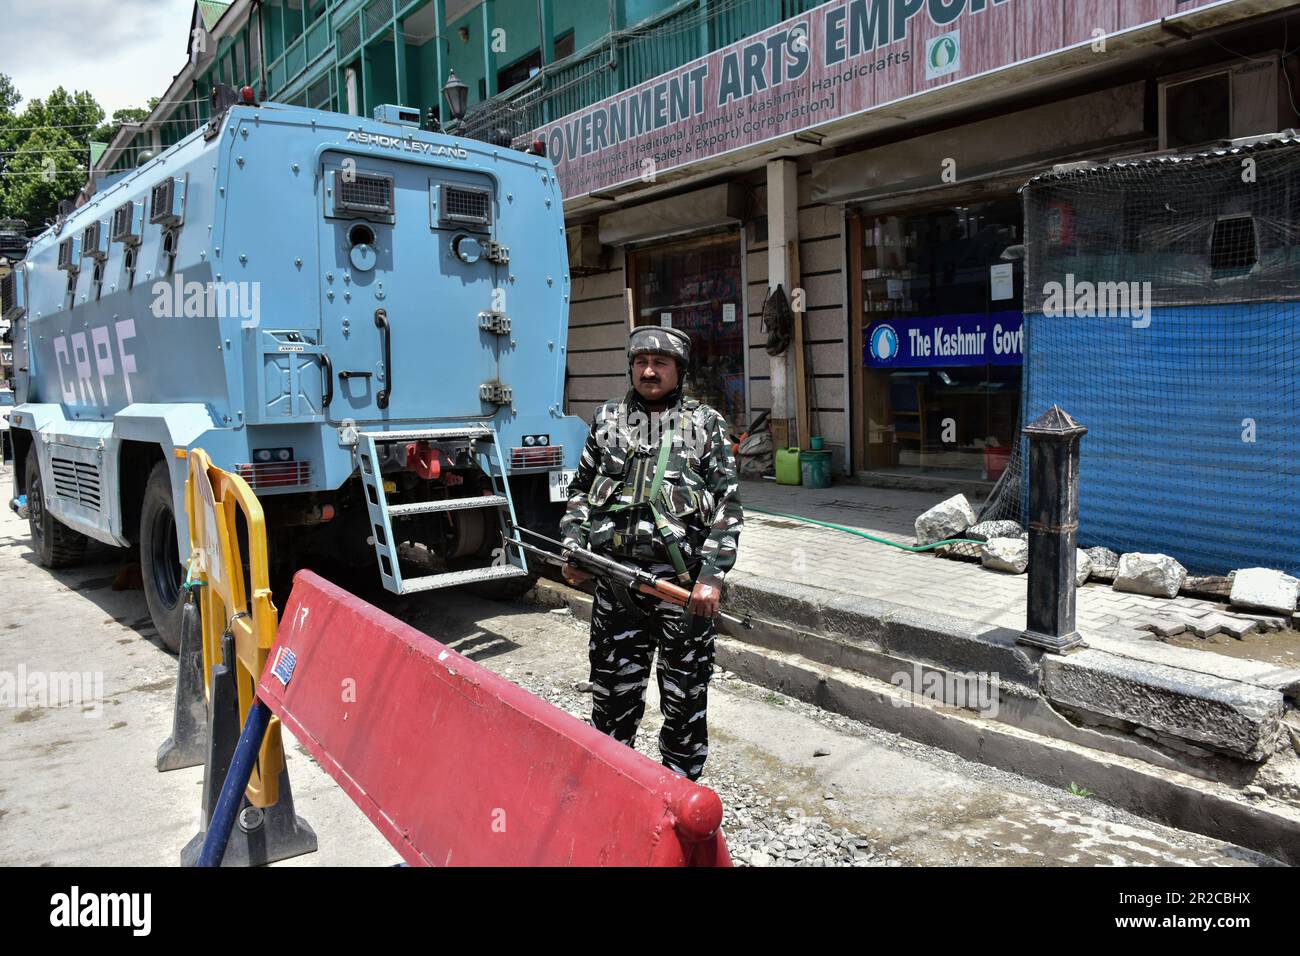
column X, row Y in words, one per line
column 259, row 836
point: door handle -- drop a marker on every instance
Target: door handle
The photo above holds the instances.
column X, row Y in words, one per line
column 386, row 330
column 328, row 367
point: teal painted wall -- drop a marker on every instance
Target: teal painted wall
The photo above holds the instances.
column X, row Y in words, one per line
column 587, row 19
column 383, row 77
column 638, row 10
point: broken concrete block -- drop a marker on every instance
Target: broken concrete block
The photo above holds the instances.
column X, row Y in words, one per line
column 1155, row 574
column 1204, row 709
column 1265, row 588
column 947, row 519
column 1082, row 567
column 987, row 530
column 1103, row 559
column 1006, row 554
column 1215, row 587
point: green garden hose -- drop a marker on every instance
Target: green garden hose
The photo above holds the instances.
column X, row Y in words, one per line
column 863, row 534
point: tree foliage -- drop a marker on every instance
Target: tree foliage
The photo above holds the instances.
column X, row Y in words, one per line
column 45, row 148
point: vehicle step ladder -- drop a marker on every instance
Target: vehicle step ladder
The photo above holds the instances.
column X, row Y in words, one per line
column 383, row 514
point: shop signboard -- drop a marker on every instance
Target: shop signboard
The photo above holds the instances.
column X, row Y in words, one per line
column 948, row 341
column 837, row 60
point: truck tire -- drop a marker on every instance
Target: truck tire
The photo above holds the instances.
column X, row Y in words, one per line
column 56, row 545
column 507, row 589
column 160, row 563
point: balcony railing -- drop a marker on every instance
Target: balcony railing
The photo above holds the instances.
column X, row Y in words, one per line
column 619, row 61
column 299, row 55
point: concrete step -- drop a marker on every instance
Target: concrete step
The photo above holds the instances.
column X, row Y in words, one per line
column 1194, row 704
column 1026, row 736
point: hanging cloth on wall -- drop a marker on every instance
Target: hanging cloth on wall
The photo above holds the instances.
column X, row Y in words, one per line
column 778, row 321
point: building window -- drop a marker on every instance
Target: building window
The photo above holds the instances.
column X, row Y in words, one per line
column 529, row 65
column 694, row 285
column 942, row 301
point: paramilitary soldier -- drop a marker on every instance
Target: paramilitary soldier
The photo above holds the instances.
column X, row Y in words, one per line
column 657, row 486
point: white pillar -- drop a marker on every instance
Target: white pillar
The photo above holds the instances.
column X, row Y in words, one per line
column 782, row 229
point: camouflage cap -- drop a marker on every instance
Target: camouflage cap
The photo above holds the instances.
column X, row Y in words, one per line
column 658, row 339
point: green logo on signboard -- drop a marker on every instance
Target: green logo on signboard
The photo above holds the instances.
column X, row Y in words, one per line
column 943, row 55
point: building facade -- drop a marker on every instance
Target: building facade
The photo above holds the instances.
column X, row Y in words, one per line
column 865, row 155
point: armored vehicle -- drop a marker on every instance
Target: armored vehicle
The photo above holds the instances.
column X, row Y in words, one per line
column 364, row 320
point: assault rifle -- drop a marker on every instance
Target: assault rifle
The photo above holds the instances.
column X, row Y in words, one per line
column 629, row 576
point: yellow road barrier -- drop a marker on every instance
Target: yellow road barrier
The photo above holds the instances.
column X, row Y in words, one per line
column 214, row 501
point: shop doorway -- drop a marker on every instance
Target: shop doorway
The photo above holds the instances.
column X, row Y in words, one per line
column 695, row 285
column 941, row 308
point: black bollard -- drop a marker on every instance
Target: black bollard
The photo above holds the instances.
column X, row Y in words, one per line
column 1053, row 530
column 260, row 836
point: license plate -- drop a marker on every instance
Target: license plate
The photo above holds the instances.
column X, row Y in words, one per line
column 560, row 479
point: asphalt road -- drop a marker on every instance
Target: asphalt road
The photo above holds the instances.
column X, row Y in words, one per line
column 800, row 786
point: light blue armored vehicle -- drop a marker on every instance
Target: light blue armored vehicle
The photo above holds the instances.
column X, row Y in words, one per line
column 365, row 320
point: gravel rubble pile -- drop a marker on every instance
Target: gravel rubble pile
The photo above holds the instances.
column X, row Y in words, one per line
column 760, row 830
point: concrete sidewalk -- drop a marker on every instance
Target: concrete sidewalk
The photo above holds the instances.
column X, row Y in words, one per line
column 1207, row 741
column 779, row 549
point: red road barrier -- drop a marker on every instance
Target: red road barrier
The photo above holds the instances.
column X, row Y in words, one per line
column 458, row 766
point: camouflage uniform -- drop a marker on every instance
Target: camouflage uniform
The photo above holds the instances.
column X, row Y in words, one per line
column 698, row 515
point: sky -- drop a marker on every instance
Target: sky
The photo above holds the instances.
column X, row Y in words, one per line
column 122, row 51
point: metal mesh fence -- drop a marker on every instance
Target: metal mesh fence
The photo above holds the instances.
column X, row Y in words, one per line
column 498, row 122
column 1162, row 301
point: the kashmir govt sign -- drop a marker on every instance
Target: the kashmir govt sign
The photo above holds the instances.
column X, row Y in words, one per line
column 839, row 59
column 997, row 338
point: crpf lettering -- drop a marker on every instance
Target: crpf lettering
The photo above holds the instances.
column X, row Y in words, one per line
column 84, row 360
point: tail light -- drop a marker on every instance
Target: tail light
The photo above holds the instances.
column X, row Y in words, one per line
column 274, row 474
column 537, row 456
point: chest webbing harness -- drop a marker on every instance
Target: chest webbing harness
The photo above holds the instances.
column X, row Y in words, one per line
column 643, row 490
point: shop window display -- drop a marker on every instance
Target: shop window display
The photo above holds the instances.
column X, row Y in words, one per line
column 942, row 299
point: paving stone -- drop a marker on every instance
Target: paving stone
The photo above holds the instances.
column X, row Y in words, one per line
column 1237, row 627
column 853, row 566
column 1206, row 626
column 1266, row 622
column 1162, row 626
column 1123, row 632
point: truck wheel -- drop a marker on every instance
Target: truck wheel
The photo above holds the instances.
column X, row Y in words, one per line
column 56, row 545
column 160, row 562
